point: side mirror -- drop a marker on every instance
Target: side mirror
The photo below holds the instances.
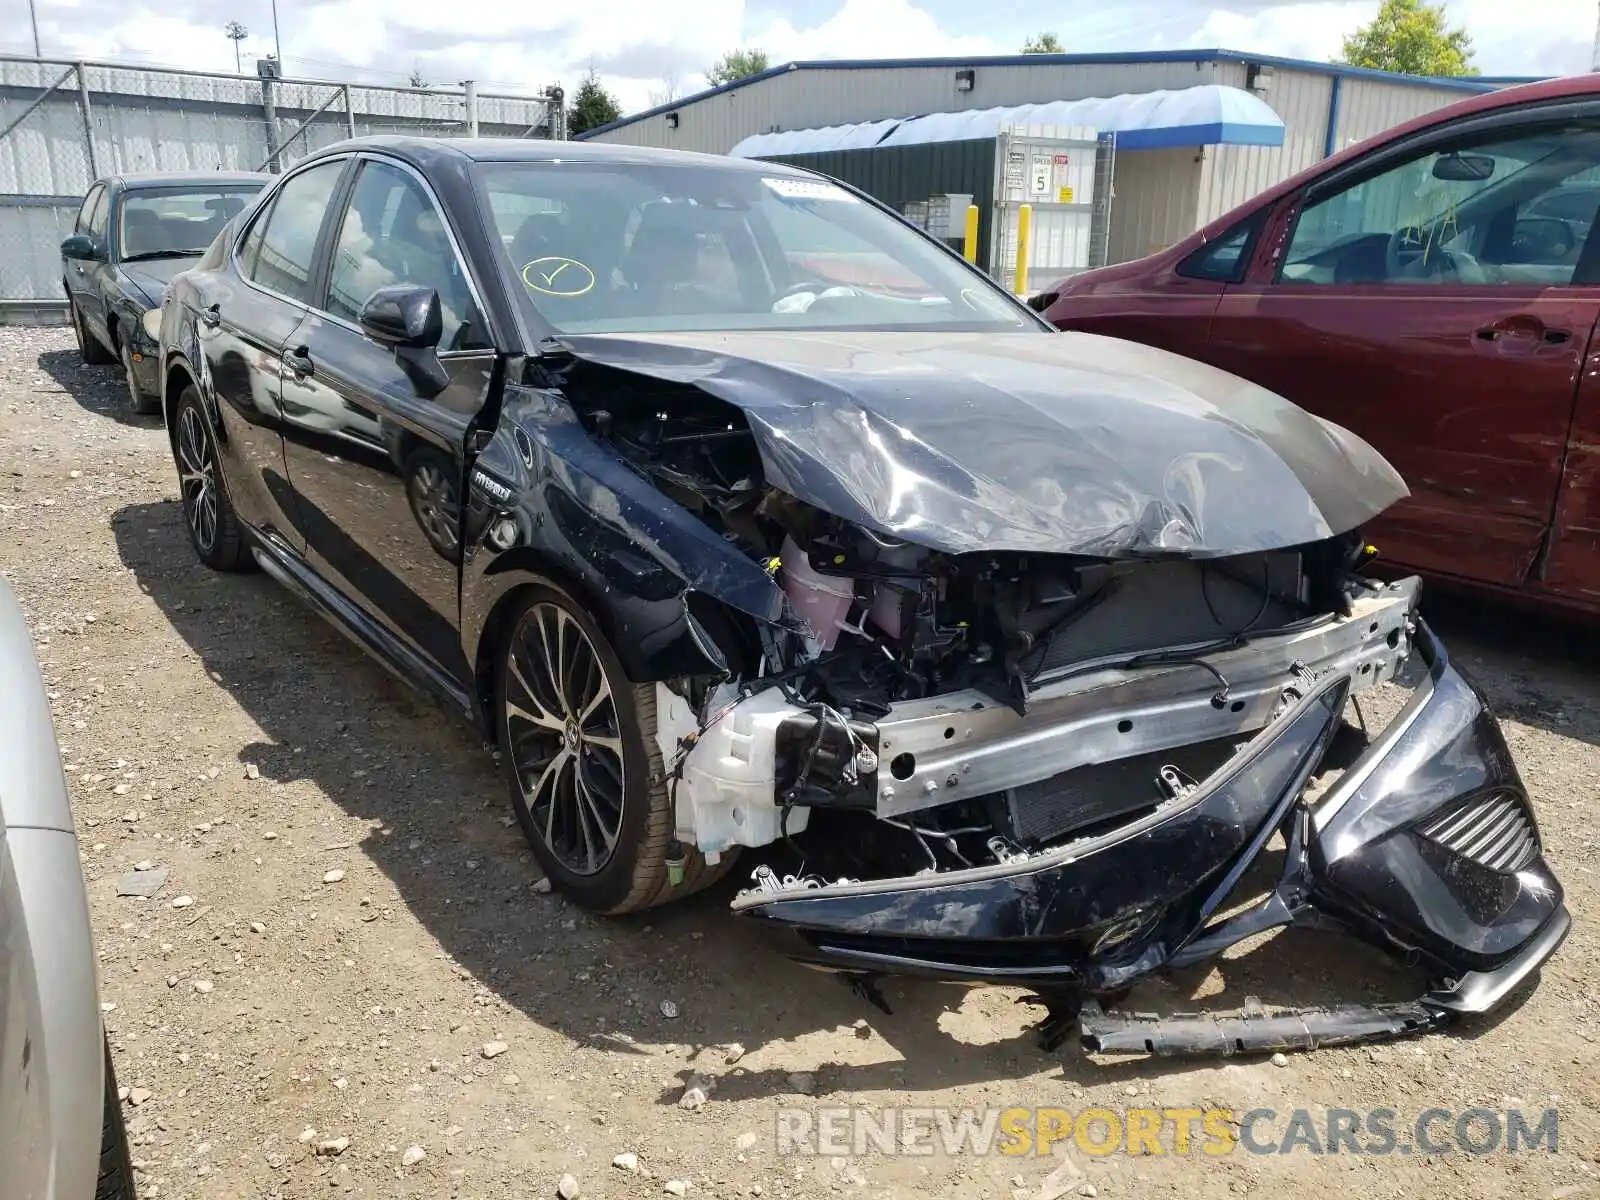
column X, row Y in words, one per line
column 1463, row 168
column 1542, row 241
column 81, row 247
column 406, row 318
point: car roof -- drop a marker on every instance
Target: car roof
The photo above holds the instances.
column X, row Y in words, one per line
column 143, row 179
column 422, row 151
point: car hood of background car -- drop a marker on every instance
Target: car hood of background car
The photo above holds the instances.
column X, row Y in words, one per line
column 1033, row 442
column 150, row 275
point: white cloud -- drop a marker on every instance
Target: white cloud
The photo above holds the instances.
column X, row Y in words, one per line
column 1313, row 31
column 868, row 28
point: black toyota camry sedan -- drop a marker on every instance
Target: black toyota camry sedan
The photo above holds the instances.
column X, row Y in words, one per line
column 743, row 516
column 131, row 235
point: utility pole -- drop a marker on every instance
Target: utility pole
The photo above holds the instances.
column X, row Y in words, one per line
column 236, row 33
column 277, row 42
column 34, row 17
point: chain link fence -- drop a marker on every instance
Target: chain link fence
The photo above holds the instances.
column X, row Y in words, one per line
column 64, row 124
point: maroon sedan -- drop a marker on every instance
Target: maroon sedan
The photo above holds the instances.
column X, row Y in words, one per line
column 1436, row 290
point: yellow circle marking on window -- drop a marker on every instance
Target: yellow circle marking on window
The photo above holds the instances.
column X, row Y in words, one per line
column 556, row 276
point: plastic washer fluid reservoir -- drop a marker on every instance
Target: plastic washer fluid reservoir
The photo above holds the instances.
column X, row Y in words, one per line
column 821, row 601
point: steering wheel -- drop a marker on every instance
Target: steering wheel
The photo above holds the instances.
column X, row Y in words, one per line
column 1408, row 245
column 1404, row 247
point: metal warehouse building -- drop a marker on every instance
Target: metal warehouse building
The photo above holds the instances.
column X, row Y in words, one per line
column 1161, row 192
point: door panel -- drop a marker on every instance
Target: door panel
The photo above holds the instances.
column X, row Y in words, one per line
column 377, row 474
column 1572, row 568
column 1476, row 426
column 96, row 275
column 244, row 318
column 377, row 468
column 74, row 270
column 241, row 356
column 1430, row 304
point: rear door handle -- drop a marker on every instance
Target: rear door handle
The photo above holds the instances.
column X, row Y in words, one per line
column 300, row 364
column 211, row 317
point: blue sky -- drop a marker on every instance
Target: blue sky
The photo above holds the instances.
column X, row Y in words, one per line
column 645, row 55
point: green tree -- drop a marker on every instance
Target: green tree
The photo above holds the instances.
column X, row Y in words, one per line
column 1411, row 36
column 592, row 107
column 1043, row 43
column 736, row 64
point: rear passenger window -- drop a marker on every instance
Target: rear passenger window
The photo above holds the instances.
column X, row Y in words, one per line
column 1225, row 259
column 279, row 259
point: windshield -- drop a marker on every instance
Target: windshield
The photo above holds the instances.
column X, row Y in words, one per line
column 598, row 247
column 178, row 220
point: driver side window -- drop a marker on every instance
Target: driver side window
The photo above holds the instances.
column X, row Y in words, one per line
column 1514, row 211
column 393, row 234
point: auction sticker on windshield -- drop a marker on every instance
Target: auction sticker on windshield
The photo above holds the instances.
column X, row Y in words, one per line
column 807, row 189
column 556, row 276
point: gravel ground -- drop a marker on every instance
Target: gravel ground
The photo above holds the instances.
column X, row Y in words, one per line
column 352, row 983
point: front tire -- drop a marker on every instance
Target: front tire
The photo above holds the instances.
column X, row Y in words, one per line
column 579, row 752
column 207, row 512
column 89, row 348
column 114, row 1181
column 140, row 401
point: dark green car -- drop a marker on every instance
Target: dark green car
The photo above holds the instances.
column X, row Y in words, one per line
column 133, row 234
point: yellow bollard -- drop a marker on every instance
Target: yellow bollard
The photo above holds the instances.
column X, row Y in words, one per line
column 969, row 242
column 1019, row 283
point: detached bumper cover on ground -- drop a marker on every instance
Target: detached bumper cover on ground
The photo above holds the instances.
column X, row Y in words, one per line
column 1425, row 846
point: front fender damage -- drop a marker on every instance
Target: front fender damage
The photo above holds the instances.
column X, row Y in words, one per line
column 1014, row 747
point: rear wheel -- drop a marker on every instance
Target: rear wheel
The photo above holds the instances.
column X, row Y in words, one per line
column 142, row 402
column 207, row 512
column 585, row 775
column 115, row 1178
column 89, row 348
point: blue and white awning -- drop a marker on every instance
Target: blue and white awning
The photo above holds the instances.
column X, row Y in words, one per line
column 1205, row 115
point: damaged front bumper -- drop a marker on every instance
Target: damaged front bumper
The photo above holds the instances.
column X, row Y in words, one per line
column 1426, row 846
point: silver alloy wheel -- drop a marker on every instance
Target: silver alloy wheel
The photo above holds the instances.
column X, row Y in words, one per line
column 434, row 502
column 197, row 478
column 565, row 738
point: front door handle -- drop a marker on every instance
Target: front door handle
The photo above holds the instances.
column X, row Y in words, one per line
column 300, row 364
column 211, row 317
column 1526, row 328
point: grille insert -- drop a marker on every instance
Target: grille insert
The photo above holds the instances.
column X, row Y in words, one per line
column 1494, row 831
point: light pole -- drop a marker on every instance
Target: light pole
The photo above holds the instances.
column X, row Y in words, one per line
column 277, row 42
column 33, row 16
column 236, row 33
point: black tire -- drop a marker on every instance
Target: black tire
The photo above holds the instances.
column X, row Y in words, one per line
column 598, row 775
column 207, row 511
column 139, row 401
column 115, row 1179
column 90, row 349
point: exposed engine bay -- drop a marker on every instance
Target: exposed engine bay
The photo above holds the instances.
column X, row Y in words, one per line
column 1014, row 653
column 978, row 707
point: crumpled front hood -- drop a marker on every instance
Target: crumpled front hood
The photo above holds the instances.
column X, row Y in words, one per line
column 1047, row 443
column 150, row 275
